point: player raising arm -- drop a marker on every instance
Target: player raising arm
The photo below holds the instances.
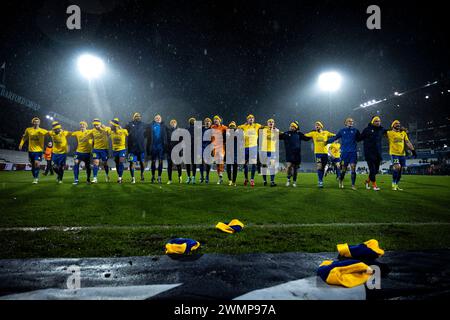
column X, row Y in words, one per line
column 60, row 148
column 100, row 151
column 372, row 136
column 320, row 138
column 156, row 145
column 136, row 145
column 349, row 137
column 35, row 137
column 83, row 151
column 251, row 132
column 218, row 140
column 270, row 135
column 118, row 140
column 293, row 145
column 170, row 145
column 398, row 138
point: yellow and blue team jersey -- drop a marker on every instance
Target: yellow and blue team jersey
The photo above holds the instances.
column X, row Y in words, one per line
column 269, row 141
column 368, row 250
column 84, row 141
column 35, row 139
column 347, row 273
column 118, row 139
column 250, row 134
column 60, row 145
column 335, row 150
column 397, row 141
column 320, row 140
column 100, row 136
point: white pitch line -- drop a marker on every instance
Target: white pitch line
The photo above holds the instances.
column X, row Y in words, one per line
column 207, row 226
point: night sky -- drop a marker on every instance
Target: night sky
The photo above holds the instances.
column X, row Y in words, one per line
column 201, row 58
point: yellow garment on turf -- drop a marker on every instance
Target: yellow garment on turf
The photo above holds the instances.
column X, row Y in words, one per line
column 100, row 137
column 60, row 145
column 238, row 226
column 250, row 134
column 335, row 149
column 397, row 142
column 348, row 276
column 320, row 140
column 35, row 139
column 84, row 141
column 118, row 139
column 269, row 141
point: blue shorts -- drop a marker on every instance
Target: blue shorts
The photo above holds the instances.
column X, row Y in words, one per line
column 59, row 159
column 322, row 158
column 35, row 156
column 253, row 152
column 119, row 154
column 135, row 157
column 80, row 156
column 335, row 160
column 349, row 157
column 101, row 154
column 401, row 160
column 157, row 154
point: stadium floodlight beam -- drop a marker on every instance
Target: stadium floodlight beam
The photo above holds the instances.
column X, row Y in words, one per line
column 91, row 67
column 330, row 81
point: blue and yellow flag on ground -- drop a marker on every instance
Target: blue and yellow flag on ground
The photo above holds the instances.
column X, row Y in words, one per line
column 181, row 246
column 232, row 227
column 348, row 273
column 368, row 250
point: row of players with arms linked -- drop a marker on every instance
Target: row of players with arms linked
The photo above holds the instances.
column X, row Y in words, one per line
column 155, row 139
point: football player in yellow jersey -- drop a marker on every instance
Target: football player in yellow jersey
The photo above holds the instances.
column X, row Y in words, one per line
column 270, row 135
column 35, row 137
column 251, row 132
column 334, row 152
column 118, row 139
column 60, row 149
column 83, row 152
column 101, row 147
column 320, row 138
column 397, row 138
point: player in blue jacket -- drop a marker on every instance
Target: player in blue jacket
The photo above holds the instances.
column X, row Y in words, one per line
column 349, row 137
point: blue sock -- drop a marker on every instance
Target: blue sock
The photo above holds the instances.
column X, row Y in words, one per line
column 36, row 172
column 399, row 175
column 95, row 170
column 265, row 178
column 132, row 172
column 272, row 178
column 120, row 169
column 353, row 178
column 106, row 169
column 394, row 176
column 246, row 171
column 338, row 173
column 76, row 171
column 320, row 174
column 253, row 171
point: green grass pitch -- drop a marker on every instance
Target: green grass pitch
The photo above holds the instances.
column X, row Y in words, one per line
column 109, row 219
